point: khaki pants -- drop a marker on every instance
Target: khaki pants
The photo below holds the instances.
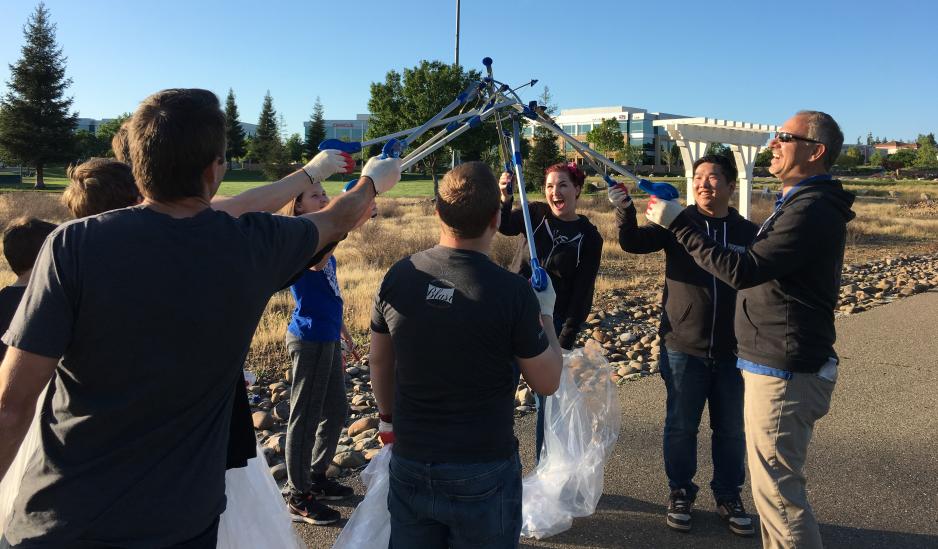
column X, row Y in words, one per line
column 779, row 415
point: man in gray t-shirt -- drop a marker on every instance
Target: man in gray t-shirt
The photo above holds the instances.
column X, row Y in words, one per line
column 151, row 310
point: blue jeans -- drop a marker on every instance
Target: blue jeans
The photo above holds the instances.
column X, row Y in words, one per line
column 691, row 382
column 456, row 505
column 540, row 402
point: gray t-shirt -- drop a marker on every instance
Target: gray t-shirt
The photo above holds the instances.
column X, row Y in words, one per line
column 153, row 318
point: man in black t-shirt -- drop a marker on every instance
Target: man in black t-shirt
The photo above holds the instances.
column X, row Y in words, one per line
column 22, row 239
column 447, row 325
column 151, row 310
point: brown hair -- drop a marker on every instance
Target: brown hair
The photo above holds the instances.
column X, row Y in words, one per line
column 99, row 185
column 120, row 145
column 467, row 199
column 22, row 240
column 174, row 135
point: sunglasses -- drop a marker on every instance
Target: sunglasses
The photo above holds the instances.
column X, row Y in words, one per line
column 786, row 137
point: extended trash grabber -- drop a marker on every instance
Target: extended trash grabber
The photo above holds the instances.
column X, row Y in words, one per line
column 664, row 191
column 352, row 147
column 539, row 279
column 487, row 111
column 504, row 151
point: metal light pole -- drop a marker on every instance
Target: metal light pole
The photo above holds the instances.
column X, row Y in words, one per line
column 456, row 63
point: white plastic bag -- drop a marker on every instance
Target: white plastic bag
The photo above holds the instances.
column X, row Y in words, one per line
column 581, row 426
column 369, row 527
column 256, row 516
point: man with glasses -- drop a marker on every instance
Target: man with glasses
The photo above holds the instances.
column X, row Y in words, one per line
column 788, row 281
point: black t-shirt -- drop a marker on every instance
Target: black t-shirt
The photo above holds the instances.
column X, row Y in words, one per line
column 153, row 318
column 456, row 320
column 9, row 300
column 570, row 252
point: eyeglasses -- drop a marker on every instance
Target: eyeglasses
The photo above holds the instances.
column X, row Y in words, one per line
column 786, row 137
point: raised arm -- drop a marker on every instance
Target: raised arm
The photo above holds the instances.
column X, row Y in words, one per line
column 353, row 208
column 780, row 249
column 639, row 240
column 512, row 221
column 23, row 376
column 273, row 196
column 542, row 372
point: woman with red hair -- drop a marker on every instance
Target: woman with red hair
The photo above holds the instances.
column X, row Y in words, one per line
column 568, row 247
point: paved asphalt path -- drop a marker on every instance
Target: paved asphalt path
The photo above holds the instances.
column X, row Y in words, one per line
column 872, row 469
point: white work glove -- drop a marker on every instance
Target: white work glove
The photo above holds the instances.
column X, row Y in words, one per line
column 385, row 172
column 662, row 212
column 503, row 181
column 546, row 298
column 619, row 195
column 329, row 162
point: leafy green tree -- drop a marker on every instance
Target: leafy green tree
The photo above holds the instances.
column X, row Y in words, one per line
column 36, row 127
column 544, row 150
column 719, row 149
column 927, row 154
column 904, row 157
column 315, row 130
column 236, row 147
column 105, row 132
column 294, row 148
column 266, row 147
column 409, row 100
column 764, row 158
column 671, row 155
column 849, row 159
column 926, row 139
column 88, row 145
column 876, row 159
column 606, row 137
column 633, row 155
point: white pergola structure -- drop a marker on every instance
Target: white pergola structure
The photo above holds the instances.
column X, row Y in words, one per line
column 744, row 139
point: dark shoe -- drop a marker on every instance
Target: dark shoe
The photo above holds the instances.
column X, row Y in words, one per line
column 679, row 510
column 330, row 490
column 305, row 508
column 733, row 513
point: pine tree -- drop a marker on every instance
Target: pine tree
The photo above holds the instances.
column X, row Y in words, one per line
column 544, row 152
column 316, row 130
column 233, row 130
column 36, row 127
column 266, row 147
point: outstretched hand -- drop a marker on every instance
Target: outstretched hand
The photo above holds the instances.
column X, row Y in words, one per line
column 619, row 195
column 327, row 163
column 662, row 212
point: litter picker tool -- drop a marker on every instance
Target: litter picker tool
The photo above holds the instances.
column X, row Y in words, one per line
column 538, row 274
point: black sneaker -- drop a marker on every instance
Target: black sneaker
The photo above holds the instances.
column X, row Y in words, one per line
column 306, row 509
column 330, row 490
column 735, row 517
column 679, row 510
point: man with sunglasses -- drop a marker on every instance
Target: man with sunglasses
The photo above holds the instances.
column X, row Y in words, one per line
column 788, row 281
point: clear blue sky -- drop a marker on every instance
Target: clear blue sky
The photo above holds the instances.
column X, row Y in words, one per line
column 873, row 66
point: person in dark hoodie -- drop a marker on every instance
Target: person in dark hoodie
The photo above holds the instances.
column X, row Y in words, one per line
column 699, row 365
column 788, row 281
column 568, row 247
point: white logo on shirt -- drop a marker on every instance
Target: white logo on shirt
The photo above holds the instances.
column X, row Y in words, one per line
column 736, row 248
column 440, row 293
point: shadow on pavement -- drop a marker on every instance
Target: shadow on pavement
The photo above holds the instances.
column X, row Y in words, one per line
column 845, row 537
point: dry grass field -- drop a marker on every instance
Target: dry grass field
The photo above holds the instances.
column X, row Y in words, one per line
column 407, row 225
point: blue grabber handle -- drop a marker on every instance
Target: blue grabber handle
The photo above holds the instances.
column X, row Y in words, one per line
column 350, row 147
column 391, row 149
column 538, row 276
column 610, row 182
column 664, row 191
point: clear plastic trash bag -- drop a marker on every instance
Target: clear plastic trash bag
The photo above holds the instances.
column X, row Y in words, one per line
column 256, row 516
column 369, row 527
column 10, row 484
column 581, row 426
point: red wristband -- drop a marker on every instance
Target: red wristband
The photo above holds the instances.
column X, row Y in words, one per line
column 385, row 417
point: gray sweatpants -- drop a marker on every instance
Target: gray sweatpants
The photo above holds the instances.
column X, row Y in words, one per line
column 318, row 409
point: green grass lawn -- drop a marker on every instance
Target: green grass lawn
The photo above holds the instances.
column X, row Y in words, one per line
column 419, row 186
